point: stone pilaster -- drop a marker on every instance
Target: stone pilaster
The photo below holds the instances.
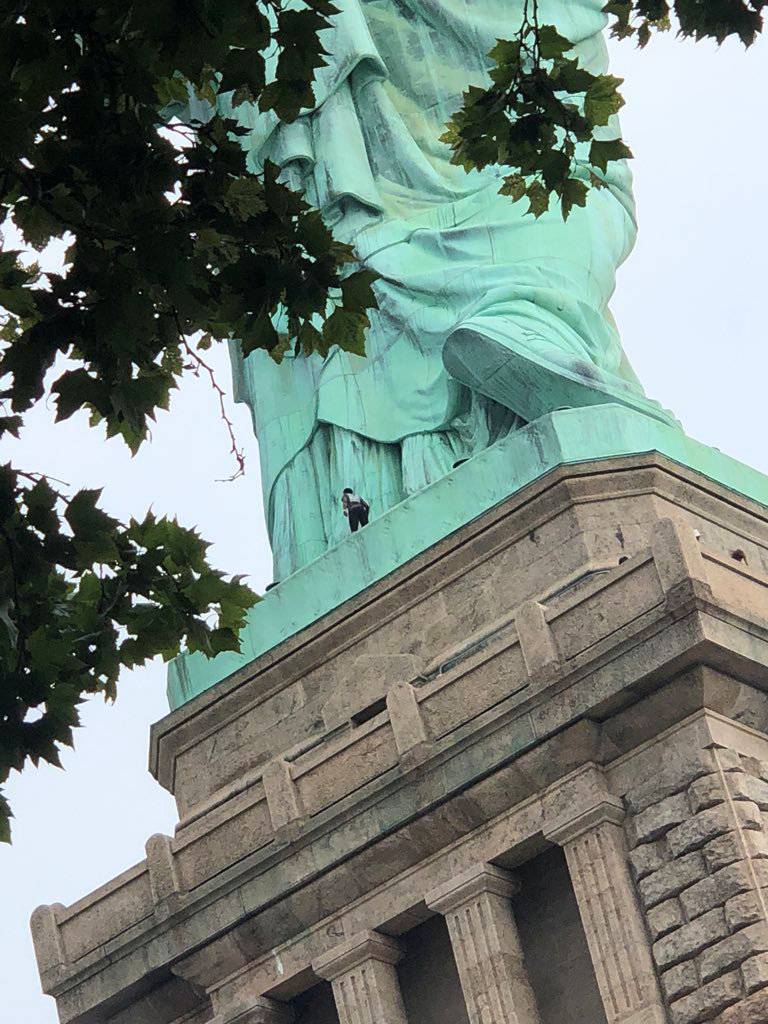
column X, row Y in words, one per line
column 585, row 819
column 362, row 973
column 486, row 945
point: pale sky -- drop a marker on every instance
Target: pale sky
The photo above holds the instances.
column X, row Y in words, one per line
column 691, row 308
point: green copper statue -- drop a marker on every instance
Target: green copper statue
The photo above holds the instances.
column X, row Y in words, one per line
column 488, row 318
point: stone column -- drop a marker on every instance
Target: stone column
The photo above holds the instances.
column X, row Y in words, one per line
column 362, row 973
column 486, row 945
column 585, row 819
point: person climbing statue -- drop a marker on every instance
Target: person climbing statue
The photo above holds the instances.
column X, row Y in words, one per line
column 355, row 508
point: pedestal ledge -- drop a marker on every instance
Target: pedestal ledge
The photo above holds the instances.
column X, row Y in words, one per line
column 565, row 437
column 351, row 953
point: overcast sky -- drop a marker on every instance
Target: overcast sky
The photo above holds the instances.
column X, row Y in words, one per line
column 691, row 307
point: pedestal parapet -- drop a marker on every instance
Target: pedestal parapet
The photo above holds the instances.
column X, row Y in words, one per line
column 582, row 667
column 565, row 437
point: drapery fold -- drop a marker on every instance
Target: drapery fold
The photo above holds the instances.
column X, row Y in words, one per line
column 474, row 295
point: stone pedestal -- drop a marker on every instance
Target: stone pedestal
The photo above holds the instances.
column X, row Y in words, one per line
column 580, row 675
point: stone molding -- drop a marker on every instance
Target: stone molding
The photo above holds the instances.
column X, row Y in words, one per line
column 411, row 735
column 283, row 800
column 48, row 943
column 161, row 864
column 375, row 838
column 677, row 555
column 536, row 640
column 486, row 945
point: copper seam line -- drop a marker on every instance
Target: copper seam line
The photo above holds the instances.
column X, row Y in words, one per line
column 592, row 926
column 605, row 842
column 502, row 988
column 731, row 804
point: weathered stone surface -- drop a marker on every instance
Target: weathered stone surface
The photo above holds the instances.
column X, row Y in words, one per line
column 706, row 792
column 727, row 760
column 746, row 787
column 648, row 858
column 671, row 879
column 408, row 726
column 725, row 850
column 659, row 818
column 536, row 640
column 690, row 939
column 665, row 917
column 695, row 832
column 257, row 1011
column 654, row 696
column 362, row 973
column 744, row 909
column 755, row 972
column 752, row 1010
column 734, row 950
column 676, row 774
column 680, row 980
column 486, row 945
column 707, row 1000
column 716, row 889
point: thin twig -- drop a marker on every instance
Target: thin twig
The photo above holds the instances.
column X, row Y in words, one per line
column 201, row 365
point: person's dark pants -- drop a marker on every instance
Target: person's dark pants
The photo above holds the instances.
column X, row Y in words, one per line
column 358, row 516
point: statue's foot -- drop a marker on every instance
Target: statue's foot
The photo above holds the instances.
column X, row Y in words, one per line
column 536, row 381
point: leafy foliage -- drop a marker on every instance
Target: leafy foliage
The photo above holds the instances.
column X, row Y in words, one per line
column 82, row 157
column 82, row 596
column 171, row 237
column 542, row 103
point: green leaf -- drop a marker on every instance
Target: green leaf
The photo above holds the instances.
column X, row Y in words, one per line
column 552, row 45
column 514, row 186
column 573, row 193
column 347, row 330
column 602, row 100
column 245, row 198
column 357, row 290
column 538, row 199
column 602, row 152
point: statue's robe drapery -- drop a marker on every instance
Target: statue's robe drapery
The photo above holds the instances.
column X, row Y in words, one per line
column 488, row 318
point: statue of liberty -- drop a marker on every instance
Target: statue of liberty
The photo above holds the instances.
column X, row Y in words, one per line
column 487, row 318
